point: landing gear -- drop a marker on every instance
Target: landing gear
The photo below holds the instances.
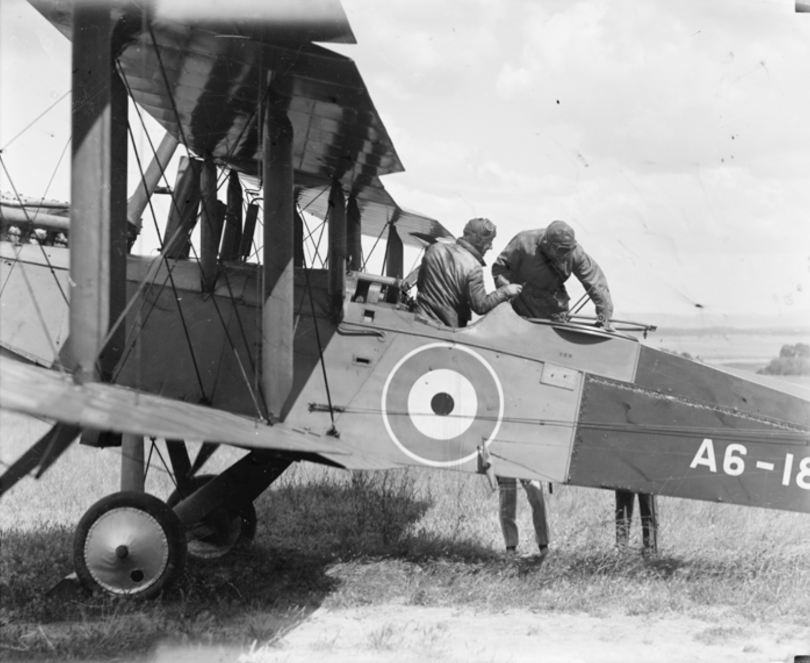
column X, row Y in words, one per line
column 221, row 531
column 129, row 544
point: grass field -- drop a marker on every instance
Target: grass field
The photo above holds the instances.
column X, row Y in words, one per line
column 420, row 537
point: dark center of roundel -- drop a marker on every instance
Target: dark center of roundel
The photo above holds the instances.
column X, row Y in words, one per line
column 442, row 403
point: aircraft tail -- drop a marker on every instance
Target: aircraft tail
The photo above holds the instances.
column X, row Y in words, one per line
column 686, row 429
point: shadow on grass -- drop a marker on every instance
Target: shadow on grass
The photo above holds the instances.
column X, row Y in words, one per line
column 374, row 515
column 255, row 594
column 621, row 563
column 344, row 540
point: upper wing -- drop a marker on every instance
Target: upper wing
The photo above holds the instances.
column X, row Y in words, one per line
column 45, row 393
column 205, row 75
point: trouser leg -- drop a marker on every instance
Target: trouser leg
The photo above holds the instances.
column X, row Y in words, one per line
column 534, row 491
column 624, row 515
column 507, row 494
column 649, row 521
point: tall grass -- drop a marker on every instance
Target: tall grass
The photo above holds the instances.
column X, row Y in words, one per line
column 333, row 538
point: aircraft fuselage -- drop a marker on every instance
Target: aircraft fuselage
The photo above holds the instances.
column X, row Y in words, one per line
column 557, row 402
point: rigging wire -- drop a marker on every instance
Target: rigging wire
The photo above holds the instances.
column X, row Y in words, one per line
column 30, row 221
column 41, row 319
column 373, row 248
column 137, row 327
column 325, row 259
column 227, row 280
column 309, row 291
column 163, row 460
column 32, row 295
column 800, row 437
column 35, row 120
column 225, row 273
column 170, row 277
column 312, row 232
column 148, row 463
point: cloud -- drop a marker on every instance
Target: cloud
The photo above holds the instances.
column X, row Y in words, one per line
column 425, row 40
column 673, row 136
column 672, row 89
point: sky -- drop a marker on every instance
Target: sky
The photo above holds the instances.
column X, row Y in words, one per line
column 673, row 136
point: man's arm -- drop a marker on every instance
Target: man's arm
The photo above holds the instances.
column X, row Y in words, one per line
column 480, row 301
column 507, row 263
column 593, row 280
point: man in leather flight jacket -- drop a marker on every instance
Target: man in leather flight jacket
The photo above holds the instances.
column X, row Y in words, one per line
column 542, row 260
column 451, row 278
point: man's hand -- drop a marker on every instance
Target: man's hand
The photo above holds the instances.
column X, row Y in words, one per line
column 512, row 290
column 603, row 322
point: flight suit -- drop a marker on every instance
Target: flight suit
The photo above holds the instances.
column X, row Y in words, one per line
column 543, row 278
column 507, row 494
column 451, row 284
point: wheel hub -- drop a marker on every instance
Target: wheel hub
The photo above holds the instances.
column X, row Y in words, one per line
column 126, row 550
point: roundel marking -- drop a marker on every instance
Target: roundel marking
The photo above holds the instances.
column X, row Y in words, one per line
column 442, row 404
column 437, row 397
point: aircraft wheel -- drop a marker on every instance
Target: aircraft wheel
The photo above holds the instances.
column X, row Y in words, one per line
column 219, row 532
column 129, row 544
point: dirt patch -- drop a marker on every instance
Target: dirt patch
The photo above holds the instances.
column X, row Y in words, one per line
column 398, row 633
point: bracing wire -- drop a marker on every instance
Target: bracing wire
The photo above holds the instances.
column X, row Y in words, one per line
column 308, row 287
column 207, row 217
column 371, row 253
column 30, row 221
column 33, row 297
column 170, row 277
column 35, row 120
column 227, row 280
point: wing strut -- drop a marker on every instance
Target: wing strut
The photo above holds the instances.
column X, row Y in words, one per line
column 337, row 249
column 354, row 245
column 394, row 253
column 139, row 200
column 98, row 213
column 279, row 229
column 98, row 210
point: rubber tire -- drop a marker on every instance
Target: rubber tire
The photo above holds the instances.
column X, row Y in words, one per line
column 248, row 519
column 142, row 507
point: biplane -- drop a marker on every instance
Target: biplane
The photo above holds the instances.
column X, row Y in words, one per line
column 230, row 335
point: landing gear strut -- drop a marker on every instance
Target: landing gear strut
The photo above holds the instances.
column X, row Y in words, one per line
column 220, row 531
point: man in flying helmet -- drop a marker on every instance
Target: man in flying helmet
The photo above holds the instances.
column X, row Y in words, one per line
column 451, row 278
column 542, row 260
